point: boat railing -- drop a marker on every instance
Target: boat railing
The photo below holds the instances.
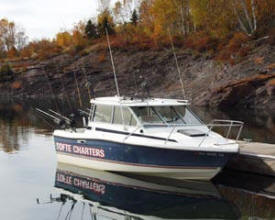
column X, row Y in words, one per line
column 228, row 124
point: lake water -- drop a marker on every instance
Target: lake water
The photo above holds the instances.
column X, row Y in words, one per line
column 34, row 186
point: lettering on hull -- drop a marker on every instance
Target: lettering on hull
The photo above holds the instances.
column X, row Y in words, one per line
column 81, row 150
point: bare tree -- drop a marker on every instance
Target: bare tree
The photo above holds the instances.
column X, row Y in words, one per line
column 103, row 5
column 183, row 7
column 123, row 10
column 246, row 18
column 21, row 40
column 11, row 35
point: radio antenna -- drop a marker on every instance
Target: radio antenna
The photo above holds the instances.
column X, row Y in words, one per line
column 112, row 60
column 177, row 64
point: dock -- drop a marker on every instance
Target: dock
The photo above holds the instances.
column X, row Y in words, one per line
column 258, row 158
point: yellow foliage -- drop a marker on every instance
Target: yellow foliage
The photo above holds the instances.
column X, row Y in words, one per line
column 64, row 39
column 78, row 35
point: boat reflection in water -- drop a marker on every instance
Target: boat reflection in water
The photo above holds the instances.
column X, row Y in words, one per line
column 113, row 196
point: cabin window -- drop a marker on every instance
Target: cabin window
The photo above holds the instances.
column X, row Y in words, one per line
column 147, row 115
column 103, row 113
column 169, row 115
column 165, row 115
column 187, row 115
column 127, row 115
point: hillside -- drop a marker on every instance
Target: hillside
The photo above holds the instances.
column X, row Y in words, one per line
column 249, row 83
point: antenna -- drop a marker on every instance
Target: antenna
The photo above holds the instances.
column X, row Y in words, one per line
column 177, row 64
column 112, row 60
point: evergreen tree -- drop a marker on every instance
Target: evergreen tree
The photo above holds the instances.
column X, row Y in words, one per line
column 91, row 30
column 134, row 18
column 105, row 21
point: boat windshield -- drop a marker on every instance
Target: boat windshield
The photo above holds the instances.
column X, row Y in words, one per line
column 166, row 115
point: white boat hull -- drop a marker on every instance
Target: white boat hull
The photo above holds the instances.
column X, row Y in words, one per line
column 175, row 173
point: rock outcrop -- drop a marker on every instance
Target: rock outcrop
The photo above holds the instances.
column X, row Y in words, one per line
column 249, row 83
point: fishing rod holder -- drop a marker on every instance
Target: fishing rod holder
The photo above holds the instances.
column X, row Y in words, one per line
column 59, row 119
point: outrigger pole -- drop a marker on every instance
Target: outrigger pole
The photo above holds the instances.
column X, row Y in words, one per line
column 112, row 60
column 114, row 71
column 177, row 64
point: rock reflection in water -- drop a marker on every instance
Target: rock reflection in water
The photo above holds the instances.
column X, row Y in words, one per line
column 15, row 122
column 12, row 126
column 259, row 125
column 254, row 195
column 107, row 195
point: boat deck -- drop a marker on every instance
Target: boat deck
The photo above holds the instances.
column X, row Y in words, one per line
column 255, row 158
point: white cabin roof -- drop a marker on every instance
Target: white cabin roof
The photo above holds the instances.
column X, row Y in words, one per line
column 127, row 101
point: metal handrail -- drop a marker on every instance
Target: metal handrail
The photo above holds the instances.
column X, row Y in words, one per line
column 228, row 123
column 225, row 123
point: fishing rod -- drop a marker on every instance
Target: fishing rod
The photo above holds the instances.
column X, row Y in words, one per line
column 68, row 120
column 55, row 119
column 59, row 119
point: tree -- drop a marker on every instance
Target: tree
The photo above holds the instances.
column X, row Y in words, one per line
column 78, row 33
column 6, row 73
column 103, row 5
column 118, row 13
column 12, row 52
column 105, row 21
column 64, row 39
column 21, row 39
column 123, row 11
column 246, row 15
column 11, row 36
column 134, row 18
column 91, row 30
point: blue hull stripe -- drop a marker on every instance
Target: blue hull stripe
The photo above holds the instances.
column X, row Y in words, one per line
column 140, row 155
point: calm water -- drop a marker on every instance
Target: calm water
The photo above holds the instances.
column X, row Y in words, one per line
column 33, row 186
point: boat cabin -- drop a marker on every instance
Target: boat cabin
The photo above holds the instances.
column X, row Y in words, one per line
column 142, row 112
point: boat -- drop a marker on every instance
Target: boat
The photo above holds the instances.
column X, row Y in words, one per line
column 147, row 136
column 95, row 194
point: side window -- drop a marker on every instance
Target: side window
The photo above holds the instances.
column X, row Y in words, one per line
column 128, row 116
column 117, row 116
column 103, row 113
